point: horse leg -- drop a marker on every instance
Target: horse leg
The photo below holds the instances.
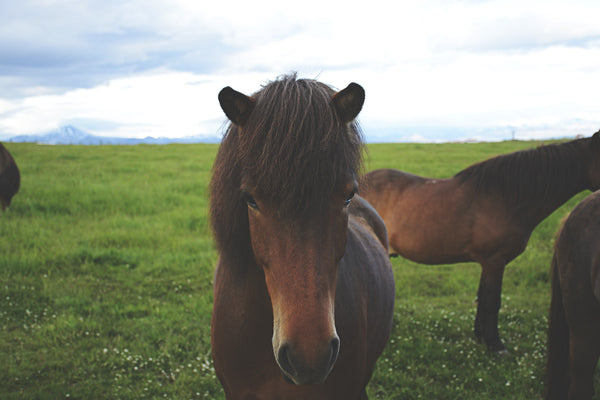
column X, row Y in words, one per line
column 488, row 305
column 584, row 353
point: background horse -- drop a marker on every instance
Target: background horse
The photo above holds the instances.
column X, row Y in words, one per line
column 303, row 290
column 574, row 327
column 10, row 179
column 485, row 213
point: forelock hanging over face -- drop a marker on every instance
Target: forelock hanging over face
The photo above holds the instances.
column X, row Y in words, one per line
column 294, row 149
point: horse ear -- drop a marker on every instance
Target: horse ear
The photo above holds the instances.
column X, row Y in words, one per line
column 349, row 102
column 237, row 106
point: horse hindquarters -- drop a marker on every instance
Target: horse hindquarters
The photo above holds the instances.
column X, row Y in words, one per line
column 557, row 384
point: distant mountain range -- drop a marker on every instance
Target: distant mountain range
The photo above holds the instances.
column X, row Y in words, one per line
column 71, row 135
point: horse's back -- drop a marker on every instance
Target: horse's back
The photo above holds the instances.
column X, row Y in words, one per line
column 384, row 190
column 379, row 182
column 428, row 220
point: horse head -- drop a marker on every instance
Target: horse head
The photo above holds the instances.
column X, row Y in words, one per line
column 297, row 224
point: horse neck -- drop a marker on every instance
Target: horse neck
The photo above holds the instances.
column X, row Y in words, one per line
column 551, row 200
column 535, row 183
column 244, row 290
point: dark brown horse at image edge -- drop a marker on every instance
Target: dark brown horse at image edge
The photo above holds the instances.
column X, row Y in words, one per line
column 574, row 324
column 10, row 179
column 485, row 213
column 303, row 289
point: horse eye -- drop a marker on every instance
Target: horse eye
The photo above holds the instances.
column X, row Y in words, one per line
column 349, row 199
column 250, row 200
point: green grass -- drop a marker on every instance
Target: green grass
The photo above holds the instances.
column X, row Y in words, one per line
column 106, row 264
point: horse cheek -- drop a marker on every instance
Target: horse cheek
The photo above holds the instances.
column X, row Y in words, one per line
column 257, row 239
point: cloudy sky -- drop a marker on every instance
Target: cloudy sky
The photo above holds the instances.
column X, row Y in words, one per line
column 432, row 70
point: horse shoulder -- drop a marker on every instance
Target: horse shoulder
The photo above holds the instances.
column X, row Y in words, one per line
column 366, row 261
column 366, row 284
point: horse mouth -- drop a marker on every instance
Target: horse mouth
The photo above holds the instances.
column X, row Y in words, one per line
column 287, row 379
column 302, row 381
column 298, row 374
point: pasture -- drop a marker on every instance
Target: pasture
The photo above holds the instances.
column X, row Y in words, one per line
column 106, row 265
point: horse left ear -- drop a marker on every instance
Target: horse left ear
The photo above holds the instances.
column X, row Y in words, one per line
column 237, row 106
column 349, row 102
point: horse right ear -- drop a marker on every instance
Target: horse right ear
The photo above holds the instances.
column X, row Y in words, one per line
column 349, row 102
column 237, row 106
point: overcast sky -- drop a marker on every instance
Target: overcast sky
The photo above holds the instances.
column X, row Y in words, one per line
column 432, row 70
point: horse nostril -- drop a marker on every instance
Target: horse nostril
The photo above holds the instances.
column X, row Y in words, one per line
column 284, row 361
column 335, row 349
column 294, row 368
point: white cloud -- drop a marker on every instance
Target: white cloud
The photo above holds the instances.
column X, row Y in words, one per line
column 170, row 104
column 155, row 67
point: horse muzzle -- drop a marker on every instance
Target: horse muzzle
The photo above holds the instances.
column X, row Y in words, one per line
column 298, row 370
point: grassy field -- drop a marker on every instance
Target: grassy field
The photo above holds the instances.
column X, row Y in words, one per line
column 106, row 265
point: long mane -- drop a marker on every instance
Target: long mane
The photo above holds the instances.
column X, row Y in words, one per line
column 523, row 177
column 293, row 152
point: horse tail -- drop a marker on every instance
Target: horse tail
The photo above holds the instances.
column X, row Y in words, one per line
column 557, row 367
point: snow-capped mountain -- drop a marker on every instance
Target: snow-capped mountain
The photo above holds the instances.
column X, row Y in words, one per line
column 71, row 135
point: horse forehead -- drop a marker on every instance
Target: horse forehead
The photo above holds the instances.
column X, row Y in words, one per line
column 301, row 219
column 299, row 194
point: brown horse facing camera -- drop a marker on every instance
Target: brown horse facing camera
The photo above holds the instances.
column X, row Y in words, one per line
column 574, row 324
column 303, row 289
column 485, row 213
column 10, row 179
